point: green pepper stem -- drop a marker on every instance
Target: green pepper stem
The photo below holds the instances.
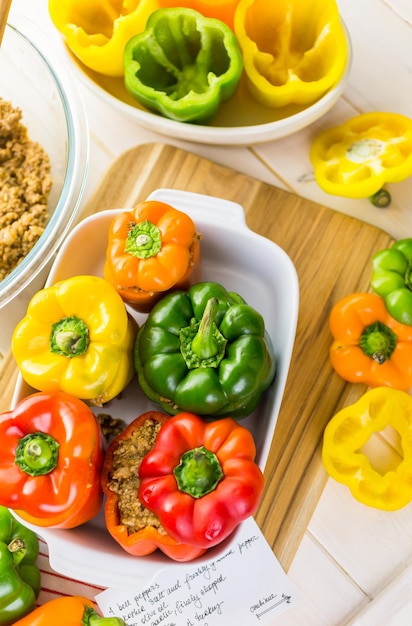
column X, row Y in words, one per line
column 202, row 344
column 37, row 454
column 69, row 337
column 18, row 549
column 378, row 342
column 381, row 199
column 92, row 618
column 144, row 240
column 198, row 472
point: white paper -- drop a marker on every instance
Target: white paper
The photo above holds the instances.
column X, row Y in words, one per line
column 243, row 584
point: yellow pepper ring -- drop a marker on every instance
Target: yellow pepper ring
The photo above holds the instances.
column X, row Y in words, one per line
column 351, row 428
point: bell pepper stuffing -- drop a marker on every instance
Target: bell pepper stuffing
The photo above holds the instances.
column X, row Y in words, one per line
column 183, row 65
column 201, row 479
column 20, row 576
column 392, row 279
column 96, row 31
column 76, row 337
column 369, row 345
column 151, row 250
column 52, row 455
column 136, row 529
column 68, row 611
column 294, row 51
column 357, row 158
column 351, row 428
column 204, row 351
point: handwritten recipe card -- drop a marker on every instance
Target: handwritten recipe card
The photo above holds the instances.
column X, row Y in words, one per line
column 243, row 585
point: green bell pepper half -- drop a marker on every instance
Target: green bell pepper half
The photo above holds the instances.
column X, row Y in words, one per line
column 392, row 279
column 20, row 577
column 183, row 65
column 204, row 351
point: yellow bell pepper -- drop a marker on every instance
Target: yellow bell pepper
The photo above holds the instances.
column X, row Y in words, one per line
column 358, row 157
column 76, row 337
column 96, row 31
column 294, row 51
column 351, row 428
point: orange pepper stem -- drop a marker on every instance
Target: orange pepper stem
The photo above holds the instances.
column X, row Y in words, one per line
column 144, row 240
column 69, row 337
column 198, row 472
column 378, row 342
column 37, row 454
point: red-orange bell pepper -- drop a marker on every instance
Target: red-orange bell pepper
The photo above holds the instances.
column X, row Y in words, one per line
column 200, row 478
column 51, row 457
column 68, row 611
column 151, row 536
column 151, row 249
column 369, row 345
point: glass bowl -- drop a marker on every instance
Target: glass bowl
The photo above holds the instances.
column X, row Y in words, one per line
column 52, row 111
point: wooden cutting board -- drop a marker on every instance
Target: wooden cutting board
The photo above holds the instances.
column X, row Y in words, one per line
column 332, row 255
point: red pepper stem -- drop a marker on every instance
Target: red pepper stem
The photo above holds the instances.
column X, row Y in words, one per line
column 198, row 472
column 92, row 618
column 378, row 342
column 37, row 454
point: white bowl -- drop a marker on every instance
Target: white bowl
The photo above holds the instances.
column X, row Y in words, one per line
column 240, row 121
column 40, row 85
column 242, row 261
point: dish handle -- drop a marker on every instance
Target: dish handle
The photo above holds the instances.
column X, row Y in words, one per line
column 210, row 208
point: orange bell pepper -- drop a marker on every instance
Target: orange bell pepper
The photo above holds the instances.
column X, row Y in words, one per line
column 369, row 345
column 223, row 10
column 152, row 249
column 68, row 611
column 149, row 538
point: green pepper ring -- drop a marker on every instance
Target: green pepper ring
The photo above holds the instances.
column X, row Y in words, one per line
column 351, row 428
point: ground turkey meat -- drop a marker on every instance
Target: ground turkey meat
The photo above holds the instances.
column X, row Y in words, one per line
column 124, row 477
column 25, row 184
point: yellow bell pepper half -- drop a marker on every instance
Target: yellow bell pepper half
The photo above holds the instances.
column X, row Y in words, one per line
column 96, row 31
column 351, row 428
column 294, row 51
column 358, row 157
column 76, row 337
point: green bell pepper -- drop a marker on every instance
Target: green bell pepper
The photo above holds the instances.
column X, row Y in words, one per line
column 204, row 351
column 20, row 577
column 183, row 65
column 392, row 279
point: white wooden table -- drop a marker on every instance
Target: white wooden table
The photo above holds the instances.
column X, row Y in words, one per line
column 353, row 566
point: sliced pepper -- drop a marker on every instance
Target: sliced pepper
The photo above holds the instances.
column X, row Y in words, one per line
column 97, row 31
column 76, row 336
column 369, row 346
column 20, row 576
column 294, row 51
column 52, row 454
column 200, row 478
column 392, row 279
column 350, row 429
column 184, row 65
column 358, row 157
column 223, row 10
column 205, row 351
column 68, row 611
column 150, row 250
column 139, row 533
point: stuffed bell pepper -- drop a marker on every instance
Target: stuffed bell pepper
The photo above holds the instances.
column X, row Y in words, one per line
column 183, row 65
column 76, row 337
column 151, row 249
column 205, row 351
column 52, row 455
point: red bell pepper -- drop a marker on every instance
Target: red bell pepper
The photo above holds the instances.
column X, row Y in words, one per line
column 51, row 458
column 200, row 478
